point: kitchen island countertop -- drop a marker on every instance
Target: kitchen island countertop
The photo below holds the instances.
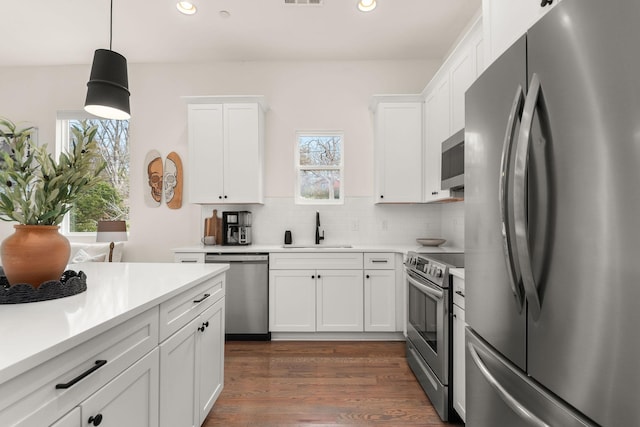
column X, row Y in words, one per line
column 33, row 333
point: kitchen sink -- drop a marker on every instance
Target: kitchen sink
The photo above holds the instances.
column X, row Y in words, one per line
column 317, row 246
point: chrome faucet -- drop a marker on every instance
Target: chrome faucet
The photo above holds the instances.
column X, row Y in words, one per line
column 318, row 236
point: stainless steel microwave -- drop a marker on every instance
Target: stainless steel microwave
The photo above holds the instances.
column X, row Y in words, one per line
column 452, row 170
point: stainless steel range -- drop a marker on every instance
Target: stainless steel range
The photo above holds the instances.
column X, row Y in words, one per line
column 429, row 325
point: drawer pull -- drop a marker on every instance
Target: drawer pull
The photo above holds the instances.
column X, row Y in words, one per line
column 99, row 364
column 384, row 261
column 460, row 293
column 95, row 420
column 204, row 297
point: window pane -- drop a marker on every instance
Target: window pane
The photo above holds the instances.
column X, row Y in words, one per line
column 320, row 150
column 320, row 184
column 109, row 199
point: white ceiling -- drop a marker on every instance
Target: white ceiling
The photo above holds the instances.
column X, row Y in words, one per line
column 56, row 32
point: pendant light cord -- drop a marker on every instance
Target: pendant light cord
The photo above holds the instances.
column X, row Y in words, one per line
column 111, row 26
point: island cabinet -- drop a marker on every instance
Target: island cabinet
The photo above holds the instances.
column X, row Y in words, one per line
column 192, row 357
column 316, row 292
column 226, row 149
column 104, row 357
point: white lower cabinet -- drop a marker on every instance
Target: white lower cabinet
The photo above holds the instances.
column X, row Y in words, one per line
column 131, row 399
column 458, row 361
column 380, row 300
column 72, row 419
column 292, row 301
column 192, row 369
column 339, row 301
column 315, row 300
column 333, row 292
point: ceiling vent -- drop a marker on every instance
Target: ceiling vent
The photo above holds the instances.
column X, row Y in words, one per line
column 307, row 2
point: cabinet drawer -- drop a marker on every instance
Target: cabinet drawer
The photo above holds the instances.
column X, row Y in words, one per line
column 183, row 308
column 35, row 392
column 189, row 257
column 316, row 261
column 379, row 261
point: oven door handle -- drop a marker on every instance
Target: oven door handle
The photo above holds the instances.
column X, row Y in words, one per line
column 425, row 288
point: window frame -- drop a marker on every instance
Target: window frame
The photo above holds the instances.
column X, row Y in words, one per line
column 62, row 137
column 299, row 200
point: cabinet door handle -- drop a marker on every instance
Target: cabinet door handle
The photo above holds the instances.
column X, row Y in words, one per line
column 460, row 293
column 455, row 317
column 95, row 420
column 381, row 196
column 99, row 364
column 220, row 197
column 318, row 276
column 201, row 328
column 313, row 277
column 204, row 297
column 367, row 276
column 206, row 324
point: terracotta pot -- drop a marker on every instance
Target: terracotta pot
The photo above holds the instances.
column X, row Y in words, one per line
column 34, row 254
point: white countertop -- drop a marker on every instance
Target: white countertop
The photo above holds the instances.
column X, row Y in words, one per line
column 457, row 272
column 403, row 249
column 33, row 333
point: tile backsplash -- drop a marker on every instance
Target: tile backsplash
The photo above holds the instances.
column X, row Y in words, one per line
column 357, row 222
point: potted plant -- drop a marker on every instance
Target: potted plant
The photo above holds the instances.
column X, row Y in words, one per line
column 37, row 191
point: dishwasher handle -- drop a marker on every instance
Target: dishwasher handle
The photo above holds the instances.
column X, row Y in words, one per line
column 225, row 258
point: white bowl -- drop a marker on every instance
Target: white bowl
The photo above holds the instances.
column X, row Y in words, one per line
column 430, row 241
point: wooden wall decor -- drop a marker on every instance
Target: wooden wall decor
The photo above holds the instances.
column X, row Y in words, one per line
column 153, row 179
column 173, row 181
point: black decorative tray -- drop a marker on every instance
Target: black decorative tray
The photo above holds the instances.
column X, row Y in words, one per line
column 70, row 283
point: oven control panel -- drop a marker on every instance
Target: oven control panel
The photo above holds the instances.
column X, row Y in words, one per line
column 434, row 271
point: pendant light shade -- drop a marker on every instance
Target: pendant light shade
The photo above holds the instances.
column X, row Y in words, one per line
column 108, row 87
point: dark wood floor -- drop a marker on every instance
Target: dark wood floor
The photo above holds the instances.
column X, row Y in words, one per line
column 320, row 384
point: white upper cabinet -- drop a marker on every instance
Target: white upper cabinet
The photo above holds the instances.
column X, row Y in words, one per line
column 506, row 20
column 226, row 149
column 444, row 105
column 398, row 149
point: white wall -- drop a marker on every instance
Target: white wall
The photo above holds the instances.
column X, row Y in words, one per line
column 301, row 95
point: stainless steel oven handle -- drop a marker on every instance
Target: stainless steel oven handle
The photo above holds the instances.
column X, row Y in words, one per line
column 507, row 148
column 521, row 164
column 425, row 288
column 511, row 401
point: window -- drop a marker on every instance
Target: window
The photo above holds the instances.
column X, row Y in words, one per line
column 109, row 199
column 319, row 167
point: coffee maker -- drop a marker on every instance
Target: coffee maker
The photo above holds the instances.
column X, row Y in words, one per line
column 236, row 228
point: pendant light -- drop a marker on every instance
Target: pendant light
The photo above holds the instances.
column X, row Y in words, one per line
column 108, row 86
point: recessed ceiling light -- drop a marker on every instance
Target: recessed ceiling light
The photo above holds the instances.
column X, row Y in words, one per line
column 366, row 5
column 186, row 7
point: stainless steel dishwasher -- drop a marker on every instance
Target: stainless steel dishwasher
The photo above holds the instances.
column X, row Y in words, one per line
column 247, row 295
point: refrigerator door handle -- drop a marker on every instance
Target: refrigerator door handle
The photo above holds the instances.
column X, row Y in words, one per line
column 521, row 163
column 507, row 148
column 511, row 401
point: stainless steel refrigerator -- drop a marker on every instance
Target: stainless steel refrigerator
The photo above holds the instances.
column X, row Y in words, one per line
column 552, row 212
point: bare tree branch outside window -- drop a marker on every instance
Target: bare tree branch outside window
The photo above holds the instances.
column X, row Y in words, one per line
column 320, row 167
